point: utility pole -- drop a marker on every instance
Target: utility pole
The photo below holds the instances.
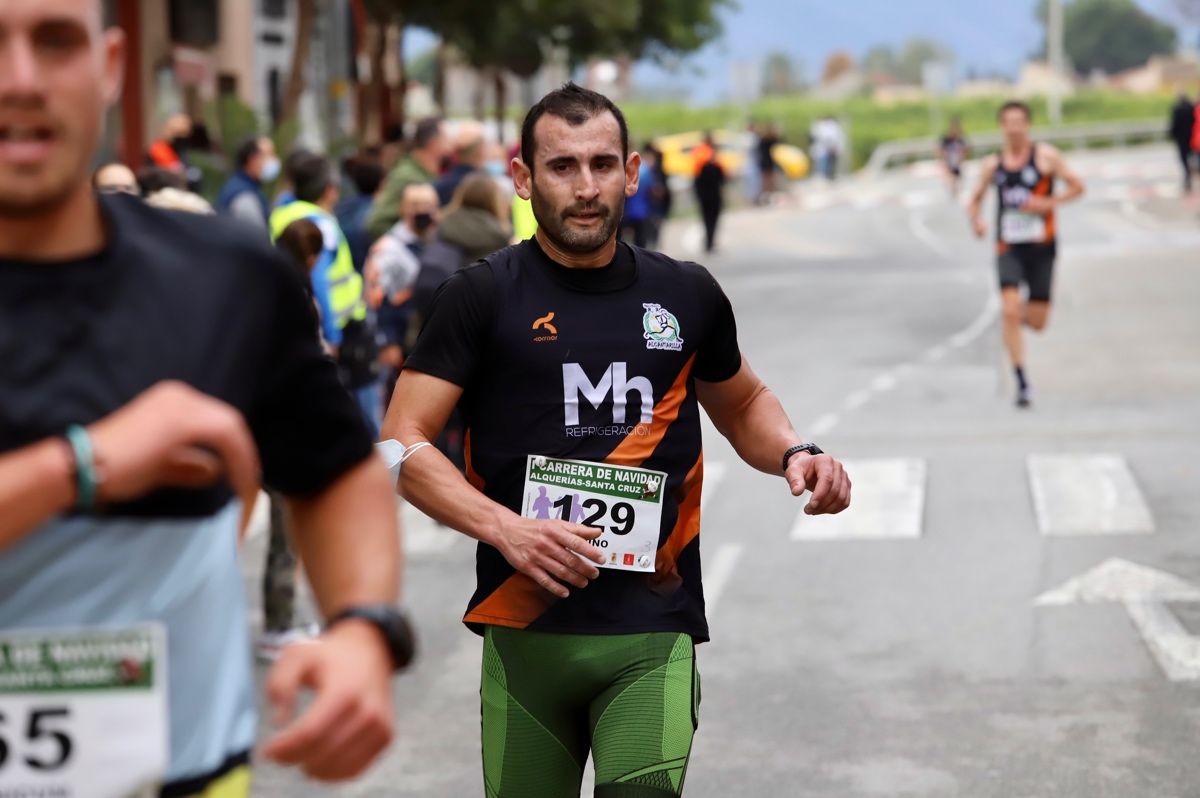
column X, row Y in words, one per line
column 1054, row 45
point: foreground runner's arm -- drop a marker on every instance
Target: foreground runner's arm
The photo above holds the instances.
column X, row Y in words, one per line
column 349, row 543
column 545, row 551
column 169, row 436
column 975, row 208
column 749, row 415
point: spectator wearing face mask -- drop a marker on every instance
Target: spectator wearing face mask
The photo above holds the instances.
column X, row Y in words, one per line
column 392, row 267
column 243, row 196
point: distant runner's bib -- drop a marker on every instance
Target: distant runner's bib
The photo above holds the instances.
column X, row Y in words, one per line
column 624, row 503
column 83, row 713
column 1022, row 228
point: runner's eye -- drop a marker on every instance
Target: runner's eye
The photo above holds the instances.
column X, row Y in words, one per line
column 59, row 38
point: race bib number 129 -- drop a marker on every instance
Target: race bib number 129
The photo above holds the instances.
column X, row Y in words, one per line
column 624, row 503
column 83, row 713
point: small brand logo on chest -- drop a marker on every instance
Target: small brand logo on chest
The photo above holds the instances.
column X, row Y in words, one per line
column 545, row 326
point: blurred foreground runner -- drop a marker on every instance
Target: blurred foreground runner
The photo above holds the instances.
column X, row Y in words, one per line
column 153, row 362
column 1024, row 174
column 580, row 365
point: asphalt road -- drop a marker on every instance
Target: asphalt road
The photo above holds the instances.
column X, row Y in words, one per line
column 899, row 650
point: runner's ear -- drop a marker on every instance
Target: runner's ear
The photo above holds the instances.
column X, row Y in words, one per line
column 522, row 179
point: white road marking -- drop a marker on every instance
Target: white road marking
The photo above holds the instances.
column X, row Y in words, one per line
column 920, row 229
column 713, row 474
column 1134, row 213
column 719, row 571
column 889, row 503
column 883, row 383
column 1087, row 495
column 936, row 353
column 857, row 399
column 823, row 425
column 1143, row 592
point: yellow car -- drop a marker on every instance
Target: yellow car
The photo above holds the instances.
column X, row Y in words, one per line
column 679, row 160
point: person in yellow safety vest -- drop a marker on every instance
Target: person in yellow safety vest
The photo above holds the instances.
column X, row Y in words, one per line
column 337, row 287
column 524, row 223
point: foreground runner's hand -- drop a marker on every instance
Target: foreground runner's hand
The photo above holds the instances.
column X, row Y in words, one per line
column 979, row 226
column 827, row 480
column 350, row 721
column 172, row 435
column 546, row 552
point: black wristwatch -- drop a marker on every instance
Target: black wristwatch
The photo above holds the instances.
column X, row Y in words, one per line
column 392, row 624
column 811, row 448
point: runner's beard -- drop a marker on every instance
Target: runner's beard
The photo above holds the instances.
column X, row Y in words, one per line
column 578, row 242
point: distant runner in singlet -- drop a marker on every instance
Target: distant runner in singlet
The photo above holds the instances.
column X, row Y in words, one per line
column 953, row 152
column 1024, row 174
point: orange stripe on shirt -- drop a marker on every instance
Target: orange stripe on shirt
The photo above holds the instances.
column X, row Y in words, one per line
column 687, row 525
column 641, row 443
column 1045, row 188
column 517, row 603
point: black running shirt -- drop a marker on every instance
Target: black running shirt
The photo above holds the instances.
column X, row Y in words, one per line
column 555, row 361
column 1015, row 187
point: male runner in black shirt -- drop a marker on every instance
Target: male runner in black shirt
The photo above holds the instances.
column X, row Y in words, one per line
column 580, row 365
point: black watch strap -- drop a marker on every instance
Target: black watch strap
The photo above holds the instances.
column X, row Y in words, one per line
column 391, row 622
column 811, row 448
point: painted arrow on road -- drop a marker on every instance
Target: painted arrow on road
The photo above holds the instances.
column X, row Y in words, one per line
column 1143, row 592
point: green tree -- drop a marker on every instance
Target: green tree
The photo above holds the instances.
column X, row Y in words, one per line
column 837, row 64
column 880, row 60
column 517, row 35
column 779, row 75
column 1111, row 35
column 915, row 55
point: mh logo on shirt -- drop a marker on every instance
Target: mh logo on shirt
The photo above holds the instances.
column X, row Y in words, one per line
column 614, row 383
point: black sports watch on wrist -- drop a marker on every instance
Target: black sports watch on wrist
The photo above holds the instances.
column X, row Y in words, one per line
column 811, row 448
column 391, row 622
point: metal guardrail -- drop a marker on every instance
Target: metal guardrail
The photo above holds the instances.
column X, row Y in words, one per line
column 1119, row 133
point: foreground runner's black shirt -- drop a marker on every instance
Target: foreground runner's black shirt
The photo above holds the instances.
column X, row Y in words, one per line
column 509, row 331
column 175, row 296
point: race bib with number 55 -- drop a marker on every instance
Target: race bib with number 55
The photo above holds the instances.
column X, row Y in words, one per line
column 624, row 503
column 83, row 713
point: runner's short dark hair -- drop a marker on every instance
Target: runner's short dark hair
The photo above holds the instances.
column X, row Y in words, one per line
column 576, row 105
column 1015, row 105
column 311, row 175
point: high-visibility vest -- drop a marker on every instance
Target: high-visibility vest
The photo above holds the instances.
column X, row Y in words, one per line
column 345, row 284
column 524, row 222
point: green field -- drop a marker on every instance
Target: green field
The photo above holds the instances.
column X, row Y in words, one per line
column 869, row 124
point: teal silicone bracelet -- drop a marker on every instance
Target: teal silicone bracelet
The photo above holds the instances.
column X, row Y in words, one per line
column 85, row 466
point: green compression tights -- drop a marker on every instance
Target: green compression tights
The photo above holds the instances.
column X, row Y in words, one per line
column 548, row 698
